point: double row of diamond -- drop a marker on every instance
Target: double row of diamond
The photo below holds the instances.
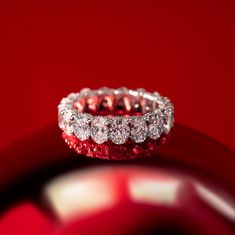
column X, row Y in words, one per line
column 117, row 129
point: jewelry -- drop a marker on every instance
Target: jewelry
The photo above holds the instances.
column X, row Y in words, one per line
column 115, row 123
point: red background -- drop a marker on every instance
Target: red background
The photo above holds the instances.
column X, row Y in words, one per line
column 184, row 50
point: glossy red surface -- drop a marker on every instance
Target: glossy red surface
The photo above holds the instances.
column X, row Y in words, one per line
column 182, row 190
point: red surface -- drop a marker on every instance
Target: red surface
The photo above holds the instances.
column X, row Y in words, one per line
column 184, row 50
column 194, row 161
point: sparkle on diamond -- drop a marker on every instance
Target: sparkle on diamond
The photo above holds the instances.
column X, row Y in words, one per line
column 139, row 129
column 119, row 130
column 99, row 129
column 66, row 119
column 82, row 126
column 155, row 125
column 62, row 109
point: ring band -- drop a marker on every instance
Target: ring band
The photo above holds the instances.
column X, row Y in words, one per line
column 115, row 123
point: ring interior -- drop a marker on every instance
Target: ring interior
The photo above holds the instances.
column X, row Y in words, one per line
column 110, row 104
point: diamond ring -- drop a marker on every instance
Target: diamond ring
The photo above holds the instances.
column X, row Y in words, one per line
column 115, row 123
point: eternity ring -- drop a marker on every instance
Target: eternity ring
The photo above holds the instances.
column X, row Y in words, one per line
column 115, row 123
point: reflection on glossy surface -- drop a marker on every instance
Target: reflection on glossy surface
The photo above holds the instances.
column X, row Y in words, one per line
column 219, row 202
column 82, row 193
column 85, row 193
column 76, row 195
column 159, row 190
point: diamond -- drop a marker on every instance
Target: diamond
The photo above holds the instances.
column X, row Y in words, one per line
column 99, row 129
column 64, row 109
column 104, row 90
column 73, row 96
column 85, row 91
column 82, row 126
column 121, row 91
column 155, row 125
column 64, row 102
column 66, row 120
column 70, row 118
column 139, row 129
column 119, row 130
